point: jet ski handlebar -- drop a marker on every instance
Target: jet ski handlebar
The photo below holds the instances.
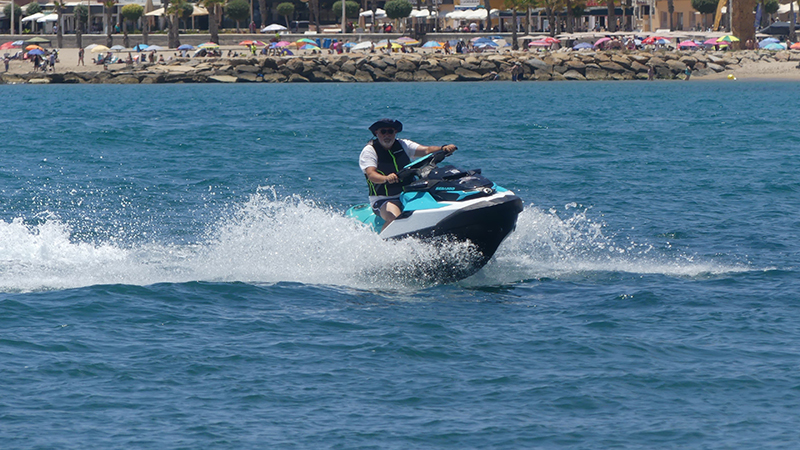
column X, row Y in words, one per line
column 422, row 166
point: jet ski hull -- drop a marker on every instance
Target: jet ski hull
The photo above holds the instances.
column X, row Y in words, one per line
column 484, row 224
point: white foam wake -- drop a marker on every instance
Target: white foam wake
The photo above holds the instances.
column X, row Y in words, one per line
column 269, row 239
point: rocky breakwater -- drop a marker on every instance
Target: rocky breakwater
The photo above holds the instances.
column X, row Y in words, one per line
column 610, row 65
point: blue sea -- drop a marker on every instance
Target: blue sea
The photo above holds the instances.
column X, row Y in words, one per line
column 176, row 271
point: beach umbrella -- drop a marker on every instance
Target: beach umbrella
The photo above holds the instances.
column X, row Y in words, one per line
column 8, row 45
column 33, row 47
column 433, row 44
column 654, row 40
column 774, row 46
column 36, row 51
column 154, row 48
column 501, row 42
column 366, row 45
column 99, row 49
column 307, row 41
column 138, row 47
column 688, row 44
column 581, row 46
column 91, row 46
column 550, row 39
column 309, row 47
column 273, row 27
column 795, row 46
column 541, row 44
column 766, row 41
column 247, row 42
column 186, row 47
column 117, row 48
column 208, row 46
column 601, row 41
column 283, row 44
column 728, row 38
column 713, row 41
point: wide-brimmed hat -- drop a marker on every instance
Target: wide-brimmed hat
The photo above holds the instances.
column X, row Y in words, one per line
column 386, row 123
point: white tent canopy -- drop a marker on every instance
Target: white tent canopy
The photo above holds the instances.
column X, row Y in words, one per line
column 472, row 14
column 783, row 9
column 423, row 13
column 52, row 17
column 157, row 12
column 379, row 13
column 32, row 17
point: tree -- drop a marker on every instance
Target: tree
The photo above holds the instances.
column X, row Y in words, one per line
column 131, row 13
column 174, row 10
column 109, row 9
column 350, row 8
column 397, row 9
column 671, row 10
column 705, row 6
column 286, row 10
column 743, row 19
column 17, row 12
column 514, row 5
column 58, row 7
column 81, row 14
column 214, row 8
column 612, row 16
column 238, row 10
column 33, row 8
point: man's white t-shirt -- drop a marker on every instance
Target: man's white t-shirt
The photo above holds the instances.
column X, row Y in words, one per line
column 369, row 158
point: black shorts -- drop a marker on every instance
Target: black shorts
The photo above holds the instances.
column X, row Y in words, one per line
column 376, row 207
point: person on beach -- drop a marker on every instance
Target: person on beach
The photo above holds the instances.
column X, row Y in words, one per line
column 382, row 158
column 81, row 52
column 6, row 61
column 688, row 73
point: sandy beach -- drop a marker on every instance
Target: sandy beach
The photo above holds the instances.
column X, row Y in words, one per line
column 748, row 70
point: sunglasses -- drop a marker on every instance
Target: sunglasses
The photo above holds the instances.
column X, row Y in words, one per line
column 386, row 131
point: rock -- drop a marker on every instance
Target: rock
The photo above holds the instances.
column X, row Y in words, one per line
column 637, row 67
column 343, row 77
column 297, row 78
column 715, row 67
column 688, row 60
column 219, row 78
column 622, row 61
column 467, row 75
column 320, row 76
column 348, row 67
column 610, row 66
column 574, row 75
column 405, row 65
column 676, row 66
column 403, row 76
column 450, row 77
column 39, row 81
column 275, row 78
column 248, row 69
column 363, row 76
column 594, row 72
column 246, row 77
column 422, row 75
column 575, row 65
column 538, row 64
column 125, row 79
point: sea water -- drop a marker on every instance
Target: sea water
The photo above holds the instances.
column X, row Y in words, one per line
column 176, row 270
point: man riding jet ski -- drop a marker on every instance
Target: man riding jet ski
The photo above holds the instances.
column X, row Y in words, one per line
column 422, row 200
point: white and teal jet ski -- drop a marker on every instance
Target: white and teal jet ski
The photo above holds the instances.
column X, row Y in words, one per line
column 446, row 203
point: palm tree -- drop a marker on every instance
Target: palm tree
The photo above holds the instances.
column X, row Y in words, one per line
column 671, row 10
column 59, row 7
column 214, row 8
column 172, row 10
column 131, row 12
column 487, row 6
column 262, row 7
column 514, row 5
column 612, row 15
column 81, row 13
column 109, row 9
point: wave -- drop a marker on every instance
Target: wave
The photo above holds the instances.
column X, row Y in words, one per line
column 268, row 239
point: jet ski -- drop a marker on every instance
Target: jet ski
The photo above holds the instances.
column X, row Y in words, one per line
column 446, row 204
